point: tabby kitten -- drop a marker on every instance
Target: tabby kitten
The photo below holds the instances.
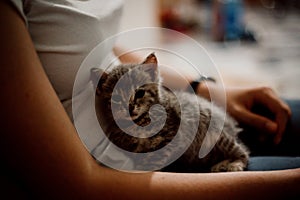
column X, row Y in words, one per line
column 132, row 105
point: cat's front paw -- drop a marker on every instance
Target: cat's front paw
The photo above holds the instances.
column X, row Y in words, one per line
column 220, row 167
column 227, row 166
column 236, row 166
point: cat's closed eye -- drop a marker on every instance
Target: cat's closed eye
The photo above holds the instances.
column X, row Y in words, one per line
column 139, row 94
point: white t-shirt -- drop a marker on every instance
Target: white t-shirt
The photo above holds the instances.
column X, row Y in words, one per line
column 64, row 32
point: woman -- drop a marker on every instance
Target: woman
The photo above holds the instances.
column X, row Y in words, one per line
column 42, row 155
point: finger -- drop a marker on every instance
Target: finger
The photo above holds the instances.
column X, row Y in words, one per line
column 281, row 111
column 269, row 99
column 281, row 119
column 257, row 121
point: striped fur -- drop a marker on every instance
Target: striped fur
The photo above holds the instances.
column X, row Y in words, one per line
column 228, row 154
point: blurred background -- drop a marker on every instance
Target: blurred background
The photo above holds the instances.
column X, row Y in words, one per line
column 252, row 42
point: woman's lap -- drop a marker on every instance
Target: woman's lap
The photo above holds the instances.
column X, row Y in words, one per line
column 266, row 155
column 265, row 163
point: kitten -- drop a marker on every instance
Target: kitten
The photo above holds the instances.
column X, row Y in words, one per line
column 228, row 154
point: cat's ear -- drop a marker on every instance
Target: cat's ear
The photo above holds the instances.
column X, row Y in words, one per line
column 150, row 66
column 96, row 73
column 151, row 59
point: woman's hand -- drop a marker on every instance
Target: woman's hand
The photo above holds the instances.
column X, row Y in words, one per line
column 241, row 101
column 240, row 104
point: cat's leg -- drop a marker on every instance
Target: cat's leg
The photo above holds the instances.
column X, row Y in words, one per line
column 220, row 167
column 228, row 166
column 236, row 155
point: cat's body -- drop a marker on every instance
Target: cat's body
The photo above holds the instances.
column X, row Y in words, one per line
column 186, row 113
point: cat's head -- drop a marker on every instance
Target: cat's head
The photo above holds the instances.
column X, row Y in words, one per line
column 129, row 87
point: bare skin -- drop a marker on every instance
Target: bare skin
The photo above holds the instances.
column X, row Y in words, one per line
column 43, row 156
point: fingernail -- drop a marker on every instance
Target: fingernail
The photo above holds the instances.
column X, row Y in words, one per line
column 271, row 126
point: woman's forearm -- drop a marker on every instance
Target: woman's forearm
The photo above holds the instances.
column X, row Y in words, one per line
column 238, row 185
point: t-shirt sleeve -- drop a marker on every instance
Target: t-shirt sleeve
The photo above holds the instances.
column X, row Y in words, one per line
column 18, row 4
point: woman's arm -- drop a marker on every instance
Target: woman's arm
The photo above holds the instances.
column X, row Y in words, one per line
column 40, row 146
column 38, row 142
